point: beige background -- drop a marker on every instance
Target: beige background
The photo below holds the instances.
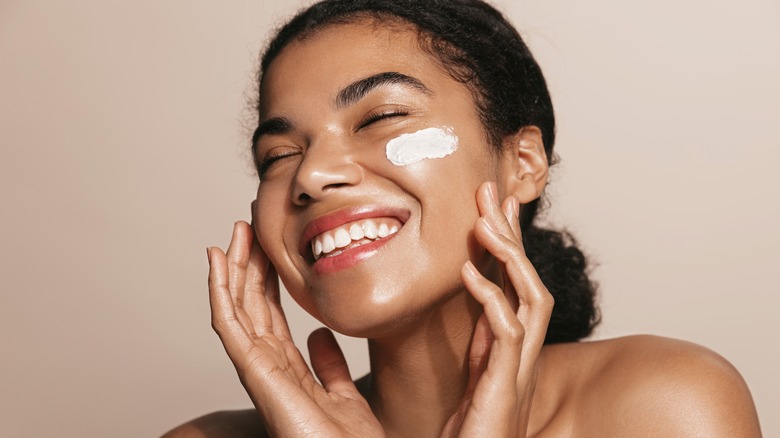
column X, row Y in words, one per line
column 123, row 155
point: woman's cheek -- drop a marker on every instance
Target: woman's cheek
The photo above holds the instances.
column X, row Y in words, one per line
column 269, row 222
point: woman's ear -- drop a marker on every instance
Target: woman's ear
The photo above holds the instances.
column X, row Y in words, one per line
column 523, row 167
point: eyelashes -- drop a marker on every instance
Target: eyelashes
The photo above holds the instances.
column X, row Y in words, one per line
column 380, row 115
column 265, row 163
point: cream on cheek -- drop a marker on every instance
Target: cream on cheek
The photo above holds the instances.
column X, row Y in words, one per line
column 426, row 143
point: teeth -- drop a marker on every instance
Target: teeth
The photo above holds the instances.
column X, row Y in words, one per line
column 369, row 228
column 357, row 234
column 342, row 238
column 328, row 244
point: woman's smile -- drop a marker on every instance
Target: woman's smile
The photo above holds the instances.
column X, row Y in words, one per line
column 341, row 239
column 352, row 235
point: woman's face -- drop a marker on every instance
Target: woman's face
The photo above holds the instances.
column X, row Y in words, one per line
column 329, row 106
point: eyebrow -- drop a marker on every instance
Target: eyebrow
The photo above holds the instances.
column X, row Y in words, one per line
column 276, row 125
column 349, row 95
column 357, row 90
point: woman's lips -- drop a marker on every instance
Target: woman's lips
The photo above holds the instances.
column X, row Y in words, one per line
column 340, row 260
column 353, row 234
column 348, row 229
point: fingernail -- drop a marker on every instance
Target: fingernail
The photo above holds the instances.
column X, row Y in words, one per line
column 492, row 190
column 471, row 268
column 515, row 207
column 487, row 224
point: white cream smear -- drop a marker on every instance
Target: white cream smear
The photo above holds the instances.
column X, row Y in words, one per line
column 426, row 143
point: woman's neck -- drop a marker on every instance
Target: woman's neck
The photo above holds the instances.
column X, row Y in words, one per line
column 418, row 380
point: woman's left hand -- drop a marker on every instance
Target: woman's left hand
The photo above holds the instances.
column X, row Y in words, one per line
column 510, row 333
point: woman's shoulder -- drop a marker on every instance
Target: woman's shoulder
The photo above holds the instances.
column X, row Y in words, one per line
column 658, row 386
column 629, row 386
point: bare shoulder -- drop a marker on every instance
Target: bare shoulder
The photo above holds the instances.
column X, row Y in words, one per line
column 654, row 386
column 227, row 424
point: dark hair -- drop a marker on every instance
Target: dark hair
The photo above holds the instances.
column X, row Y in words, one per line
column 479, row 48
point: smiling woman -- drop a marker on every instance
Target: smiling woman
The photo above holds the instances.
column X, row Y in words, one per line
column 402, row 149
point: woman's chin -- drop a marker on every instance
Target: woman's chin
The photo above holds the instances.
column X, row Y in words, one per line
column 393, row 318
column 367, row 323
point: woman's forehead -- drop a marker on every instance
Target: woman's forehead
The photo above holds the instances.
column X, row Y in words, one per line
column 339, row 54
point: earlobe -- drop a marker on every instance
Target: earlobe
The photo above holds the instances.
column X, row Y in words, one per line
column 524, row 166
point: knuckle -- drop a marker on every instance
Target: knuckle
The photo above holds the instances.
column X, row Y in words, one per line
column 493, row 289
column 488, row 286
column 539, row 295
column 515, row 332
column 516, row 247
column 220, row 325
column 547, row 301
column 511, row 252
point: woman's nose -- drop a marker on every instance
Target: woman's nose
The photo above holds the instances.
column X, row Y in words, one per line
column 324, row 169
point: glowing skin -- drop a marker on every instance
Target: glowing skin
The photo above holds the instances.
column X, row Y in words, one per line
column 334, row 173
column 424, row 144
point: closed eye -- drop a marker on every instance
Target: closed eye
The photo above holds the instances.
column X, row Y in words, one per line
column 377, row 116
column 269, row 160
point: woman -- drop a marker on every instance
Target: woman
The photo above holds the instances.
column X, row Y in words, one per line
column 402, row 149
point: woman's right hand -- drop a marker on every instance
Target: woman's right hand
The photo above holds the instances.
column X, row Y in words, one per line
column 247, row 315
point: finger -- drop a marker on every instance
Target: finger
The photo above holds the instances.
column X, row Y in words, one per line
column 329, row 364
column 238, row 257
column 492, row 213
column 507, row 330
column 503, row 223
column 500, row 235
column 271, row 291
column 511, row 209
column 535, row 301
column 238, row 254
column 255, row 301
column 499, row 379
column 518, row 267
column 224, row 320
column 507, row 251
column 280, row 326
column 479, row 352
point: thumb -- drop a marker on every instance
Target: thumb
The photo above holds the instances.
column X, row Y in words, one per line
column 329, row 364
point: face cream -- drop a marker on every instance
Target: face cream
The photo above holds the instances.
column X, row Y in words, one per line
column 410, row 148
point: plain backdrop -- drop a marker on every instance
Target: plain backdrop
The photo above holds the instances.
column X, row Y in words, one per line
column 123, row 154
